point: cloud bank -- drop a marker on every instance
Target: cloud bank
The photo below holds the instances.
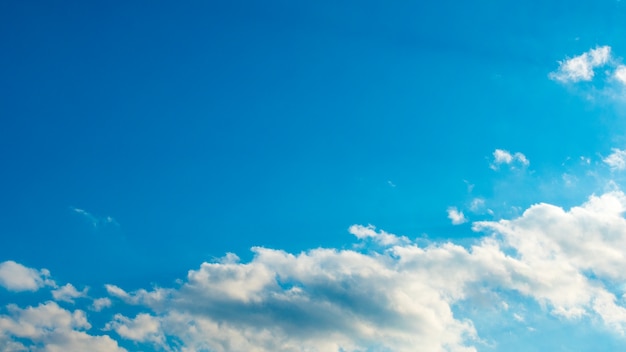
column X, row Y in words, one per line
column 387, row 293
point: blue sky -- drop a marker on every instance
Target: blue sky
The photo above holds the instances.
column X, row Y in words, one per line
column 327, row 176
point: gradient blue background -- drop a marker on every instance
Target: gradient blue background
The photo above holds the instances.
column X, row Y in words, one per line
column 212, row 126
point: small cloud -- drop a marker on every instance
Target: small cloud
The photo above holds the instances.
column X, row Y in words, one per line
column 101, row 303
column 391, row 184
column 620, row 74
column 68, row 293
column 456, row 216
column 616, row 160
column 477, row 204
column 501, row 156
column 518, row 317
column 569, row 180
column 380, row 237
column 581, row 67
column 117, row 292
column 470, row 186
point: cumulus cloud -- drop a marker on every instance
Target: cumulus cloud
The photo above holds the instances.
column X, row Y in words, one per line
column 571, row 253
column 143, row 328
column 68, row 293
column 16, row 277
column 50, row 328
column 616, row 160
column 320, row 300
column 393, row 295
column 620, row 74
column 581, row 67
column 99, row 304
column 504, row 157
column 396, row 297
column 457, row 217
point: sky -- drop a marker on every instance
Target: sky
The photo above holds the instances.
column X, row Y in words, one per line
column 312, row 176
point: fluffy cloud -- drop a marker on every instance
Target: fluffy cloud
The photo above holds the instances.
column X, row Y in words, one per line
column 68, row 293
column 620, row 74
column 616, row 160
column 581, row 67
column 50, row 328
column 501, row 156
column 101, row 303
column 457, row 217
column 398, row 297
column 321, row 300
column 395, row 294
column 564, row 258
column 144, row 328
column 16, row 277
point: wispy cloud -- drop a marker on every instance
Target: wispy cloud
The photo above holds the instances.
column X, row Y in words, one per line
column 616, row 160
column 381, row 237
column 95, row 221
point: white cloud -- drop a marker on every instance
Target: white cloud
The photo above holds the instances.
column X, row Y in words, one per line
column 477, row 205
column 320, row 300
column 501, row 156
column 144, row 328
column 68, row 293
column 101, row 303
column 616, row 160
column 557, row 250
column 16, row 277
column 620, row 74
column 457, row 217
column 50, row 328
column 581, row 68
column 394, row 295
column 400, row 295
column 381, row 237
